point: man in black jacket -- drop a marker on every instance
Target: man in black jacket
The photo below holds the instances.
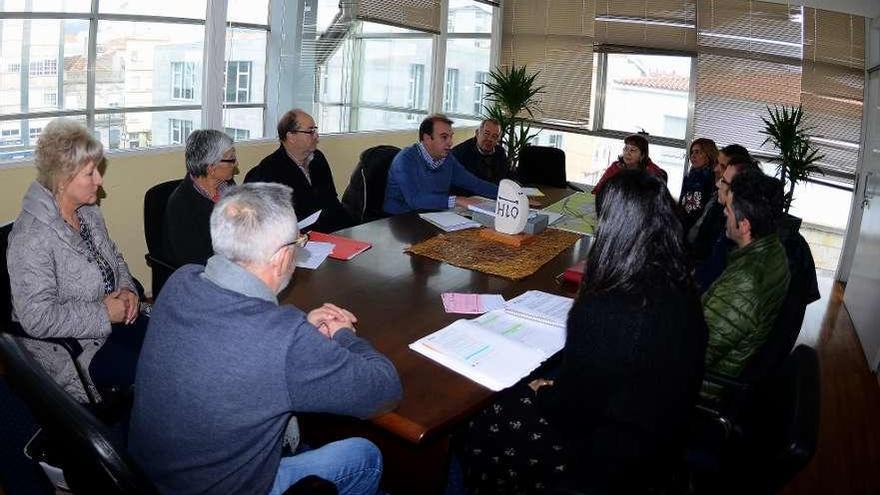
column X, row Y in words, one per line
column 483, row 154
column 298, row 164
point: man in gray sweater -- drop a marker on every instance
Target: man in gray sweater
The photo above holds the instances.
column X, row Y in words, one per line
column 224, row 367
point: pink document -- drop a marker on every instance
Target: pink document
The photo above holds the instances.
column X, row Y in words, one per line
column 471, row 304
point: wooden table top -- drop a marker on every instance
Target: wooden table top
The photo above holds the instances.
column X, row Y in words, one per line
column 396, row 298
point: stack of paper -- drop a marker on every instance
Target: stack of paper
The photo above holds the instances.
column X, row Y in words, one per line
column 449, row 221
column 540, row 306
column 313, row 254
column 471, row 304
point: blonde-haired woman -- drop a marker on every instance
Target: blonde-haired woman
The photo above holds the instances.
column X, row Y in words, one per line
column 68, row 279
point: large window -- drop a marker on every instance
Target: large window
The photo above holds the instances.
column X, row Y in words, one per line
column 468, row 47
column 143, row 85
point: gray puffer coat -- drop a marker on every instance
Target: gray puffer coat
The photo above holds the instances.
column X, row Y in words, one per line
column 57, row 288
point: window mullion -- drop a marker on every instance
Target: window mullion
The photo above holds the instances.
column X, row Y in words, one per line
column 91, row 62
column 438, row 72
column 214, row 63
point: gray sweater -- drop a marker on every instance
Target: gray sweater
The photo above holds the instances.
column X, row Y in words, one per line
column 223, row 368
column 57, row 289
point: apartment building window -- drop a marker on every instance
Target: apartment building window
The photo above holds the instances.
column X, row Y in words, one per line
column 178, row 130
column 183, row 80
column 450, row 94
column 237, row 134
column 238, row 81
column 416, row 91
column 50, row 99
column 479, row 91
column 47, row 67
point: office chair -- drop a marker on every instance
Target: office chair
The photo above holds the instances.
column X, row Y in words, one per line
column 76, row 440
column 774, row 437
column 155, row 200
column 543, row 165
column 365, row 194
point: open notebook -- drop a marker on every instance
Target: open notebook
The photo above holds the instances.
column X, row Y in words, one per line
column 499, row 348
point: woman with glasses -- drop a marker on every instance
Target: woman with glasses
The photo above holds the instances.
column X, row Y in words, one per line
column 210, row 165
column 68, row 279
column 634, row 157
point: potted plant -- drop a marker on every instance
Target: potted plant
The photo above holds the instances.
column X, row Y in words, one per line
column 787, row 132
column 512, row 98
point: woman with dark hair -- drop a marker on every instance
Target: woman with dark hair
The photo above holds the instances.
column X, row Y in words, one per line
column 699, row 183
column 615, row 416
column 634, row 156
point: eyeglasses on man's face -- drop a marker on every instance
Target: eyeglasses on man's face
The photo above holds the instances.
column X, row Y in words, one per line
column 300, row 242
column 311, row 130
column 229, row 160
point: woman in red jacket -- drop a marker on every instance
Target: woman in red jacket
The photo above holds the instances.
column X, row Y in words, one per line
column 635, row 156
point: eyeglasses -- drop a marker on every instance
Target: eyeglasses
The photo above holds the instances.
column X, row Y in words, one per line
column 300, row 242
column 631, row 149
column 229, row 160
column 311, row 130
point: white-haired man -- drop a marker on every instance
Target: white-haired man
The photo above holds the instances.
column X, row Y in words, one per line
column 224, row 367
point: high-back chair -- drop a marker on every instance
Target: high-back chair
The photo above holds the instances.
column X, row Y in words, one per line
column 543, row 165
column 77, row 441
column 365, row 194
column 155, row 200
column 774, row 437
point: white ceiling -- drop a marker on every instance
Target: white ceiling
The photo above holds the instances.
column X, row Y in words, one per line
column 867, row 8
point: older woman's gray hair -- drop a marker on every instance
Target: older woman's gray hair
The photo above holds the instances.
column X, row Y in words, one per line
column 253, row 221
column 64, row 147
column 205, row 147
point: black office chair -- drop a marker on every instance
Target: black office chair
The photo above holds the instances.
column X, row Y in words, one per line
column 76, row 440
column 542, row 165
column 71, row 345
column 365, row 194
column 155, row 200
column 775, row 438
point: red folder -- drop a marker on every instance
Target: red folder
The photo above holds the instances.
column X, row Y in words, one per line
column 575, row 273
column 343, row 247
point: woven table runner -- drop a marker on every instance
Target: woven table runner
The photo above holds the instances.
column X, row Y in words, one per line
column 466, row 249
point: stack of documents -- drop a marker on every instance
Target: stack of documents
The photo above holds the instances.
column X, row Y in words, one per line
column 313, row 254
column 500, row 348
column 448, row 221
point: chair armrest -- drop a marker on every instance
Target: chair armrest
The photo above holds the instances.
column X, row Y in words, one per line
column 153, row 260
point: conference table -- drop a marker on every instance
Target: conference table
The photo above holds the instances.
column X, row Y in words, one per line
column 396, row 298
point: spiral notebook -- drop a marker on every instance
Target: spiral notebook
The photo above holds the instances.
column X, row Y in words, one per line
column 540, row 306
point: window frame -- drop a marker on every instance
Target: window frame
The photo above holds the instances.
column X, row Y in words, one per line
column 214, row 47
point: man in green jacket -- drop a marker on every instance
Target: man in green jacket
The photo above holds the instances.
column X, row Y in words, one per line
column 741, row 306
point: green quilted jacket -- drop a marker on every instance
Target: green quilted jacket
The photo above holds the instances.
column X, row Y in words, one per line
column 741, row 306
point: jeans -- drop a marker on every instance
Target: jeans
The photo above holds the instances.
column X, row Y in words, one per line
column 354, row 465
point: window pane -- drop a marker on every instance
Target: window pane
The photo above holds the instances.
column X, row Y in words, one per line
column 638, row 82
column 146, row 129
column 18, row 137
column 74, row 6
column 587, row 157
column 249, row 11
column 190, row 9
column 396, row 72
column 469, row 60
column 148, row 64
column 332, row 119
column 245, row 66
column 370, row 119
column 375, row 27
column 468, row 16
column 50, row 56
column 247, row 123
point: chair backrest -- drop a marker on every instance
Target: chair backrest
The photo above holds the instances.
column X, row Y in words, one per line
column 542, row 165
column 784, row 422
column 365, row 194
column 92, row 463
column 155, row 200
column 772, row 354
column 5, row 288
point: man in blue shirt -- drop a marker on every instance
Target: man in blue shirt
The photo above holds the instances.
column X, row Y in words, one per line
column 224, row 366
column 421, row 175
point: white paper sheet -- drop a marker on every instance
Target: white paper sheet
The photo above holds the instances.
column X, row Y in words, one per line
column 313, row 254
